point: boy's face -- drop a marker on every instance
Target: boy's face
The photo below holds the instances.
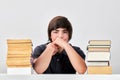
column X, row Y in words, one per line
column 61, row 33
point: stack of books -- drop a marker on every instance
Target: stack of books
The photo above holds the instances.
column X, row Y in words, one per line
column 18, row 56
column 98, row 57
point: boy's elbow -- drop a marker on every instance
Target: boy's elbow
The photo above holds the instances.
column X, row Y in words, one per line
column 83, row 70
column 38, row 71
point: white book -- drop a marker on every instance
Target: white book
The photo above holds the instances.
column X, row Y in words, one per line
column 24, row 70
column 98, row 63
column 98, row 56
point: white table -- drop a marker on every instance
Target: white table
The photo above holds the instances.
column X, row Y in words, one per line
column 60, row 77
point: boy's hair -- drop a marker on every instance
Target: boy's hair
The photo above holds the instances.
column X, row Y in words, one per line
column 59, row 22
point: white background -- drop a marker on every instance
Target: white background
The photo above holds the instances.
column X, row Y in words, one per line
column 91, row 19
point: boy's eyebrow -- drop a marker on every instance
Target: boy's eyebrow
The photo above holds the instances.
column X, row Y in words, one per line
column 63, row 29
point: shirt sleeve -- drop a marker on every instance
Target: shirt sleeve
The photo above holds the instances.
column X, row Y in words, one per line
column 36, row 53
column 80, row 52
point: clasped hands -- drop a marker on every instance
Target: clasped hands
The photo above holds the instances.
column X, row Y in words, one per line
column 57, row 46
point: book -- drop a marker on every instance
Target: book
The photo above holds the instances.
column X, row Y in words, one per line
column 14, row 41
column 99, row 42
column 20, row 45
column 98, row 56
column 19, row 58
column 20, row 52
column 19, row 70
column 99, row 70
column 18, row 66
column 20, row 49
column 17, row 62
column 98, row 63
column 97, row 48
column 18, row 55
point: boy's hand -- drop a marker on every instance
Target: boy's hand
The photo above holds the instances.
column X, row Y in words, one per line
column 53, row 47
column 60, row 42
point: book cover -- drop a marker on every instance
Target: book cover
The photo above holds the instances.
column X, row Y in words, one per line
column 99, row 70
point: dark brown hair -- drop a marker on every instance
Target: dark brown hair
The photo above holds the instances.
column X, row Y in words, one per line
column 59, row 22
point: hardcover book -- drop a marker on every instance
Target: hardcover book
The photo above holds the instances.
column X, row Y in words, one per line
column 99, row 70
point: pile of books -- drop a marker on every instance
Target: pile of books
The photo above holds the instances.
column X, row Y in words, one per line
column 98, row 57
column 18, row 56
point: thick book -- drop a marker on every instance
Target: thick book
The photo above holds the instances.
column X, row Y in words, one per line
column 99, row 42
column 98, row 56
column 19, row 70
column 99, row 70
column 98, row 63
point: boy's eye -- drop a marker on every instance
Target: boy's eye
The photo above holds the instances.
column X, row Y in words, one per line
column 65, row 31
column 55, row 31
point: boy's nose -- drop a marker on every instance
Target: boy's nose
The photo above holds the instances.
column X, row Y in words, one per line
column 60, row 35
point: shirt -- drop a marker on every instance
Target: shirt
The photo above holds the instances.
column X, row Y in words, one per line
column 60, row 63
